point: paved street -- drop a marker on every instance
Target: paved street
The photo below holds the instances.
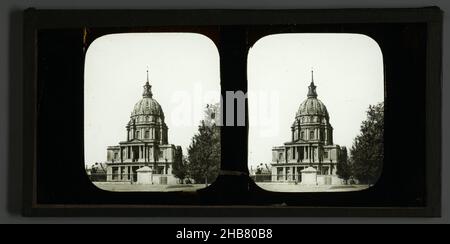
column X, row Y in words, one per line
column 139, row 187
column 291, row 187
column 269, row 186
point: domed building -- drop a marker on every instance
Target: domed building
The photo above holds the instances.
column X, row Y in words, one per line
column 146, row 148
column 311, row 147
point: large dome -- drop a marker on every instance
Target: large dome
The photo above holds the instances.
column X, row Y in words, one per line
column 147, row 106
column 312, row 107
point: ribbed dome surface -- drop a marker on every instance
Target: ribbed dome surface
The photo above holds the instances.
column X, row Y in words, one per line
column 147, row 106
column 312, row 106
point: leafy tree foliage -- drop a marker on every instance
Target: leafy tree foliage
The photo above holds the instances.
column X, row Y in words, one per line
column 179, row 166
column 368, row 147
column 204, row 154
column 344, row 169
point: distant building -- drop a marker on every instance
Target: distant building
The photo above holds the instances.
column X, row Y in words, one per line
column 311, row 146
column 97, row 172
column 261, row 173
column 146, row 148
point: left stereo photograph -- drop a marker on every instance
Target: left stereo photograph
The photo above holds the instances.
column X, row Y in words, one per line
column 151, row 111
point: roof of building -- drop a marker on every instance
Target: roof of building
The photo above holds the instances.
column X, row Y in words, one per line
column 312, row 106
column 147, row 106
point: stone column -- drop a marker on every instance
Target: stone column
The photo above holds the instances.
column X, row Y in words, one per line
column 131, row 152
column 293, row 173
column 274, row 174
column 309, row 154
column 109, row 176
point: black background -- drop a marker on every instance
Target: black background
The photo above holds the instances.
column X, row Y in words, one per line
column 60, row 161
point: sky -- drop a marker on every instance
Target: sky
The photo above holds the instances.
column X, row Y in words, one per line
column 348, row 73
column 183, row 71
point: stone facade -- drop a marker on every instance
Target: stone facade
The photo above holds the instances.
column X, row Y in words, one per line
column 311, row 145
column 146, row 146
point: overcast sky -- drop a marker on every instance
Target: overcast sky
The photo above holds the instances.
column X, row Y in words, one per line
column 348, row 73
column 183, row 72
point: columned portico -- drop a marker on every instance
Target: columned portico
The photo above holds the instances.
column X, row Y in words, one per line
column 311, row 144
column 146, row 146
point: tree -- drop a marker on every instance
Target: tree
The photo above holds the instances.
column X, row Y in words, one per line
column 344, row 170
column 204, row 154
column 179, row 167
column 368, row 150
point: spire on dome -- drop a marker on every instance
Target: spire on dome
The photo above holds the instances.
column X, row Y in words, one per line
column 147, row 88
column 312, row 88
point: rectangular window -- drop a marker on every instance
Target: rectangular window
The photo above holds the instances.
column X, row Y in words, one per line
column 325, row 154
column 147, row 134
column 311, row 135
column 288, row 173
column 115, row 173
column 279, row 173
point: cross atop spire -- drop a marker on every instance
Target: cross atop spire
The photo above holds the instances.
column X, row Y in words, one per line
column 147, row 88
column 312, row 88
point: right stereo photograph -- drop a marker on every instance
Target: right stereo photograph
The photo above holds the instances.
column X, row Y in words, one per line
column 316, row 112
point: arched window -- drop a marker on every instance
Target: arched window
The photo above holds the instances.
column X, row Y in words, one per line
column 147, row 134
column 137, row 134
column 302, row 135
column 311, row 135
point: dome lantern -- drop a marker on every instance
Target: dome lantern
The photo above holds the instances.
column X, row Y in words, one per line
column 312, row 88
column 147, row 89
